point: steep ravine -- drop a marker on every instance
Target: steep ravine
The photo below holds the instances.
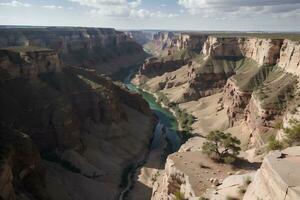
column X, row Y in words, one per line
column 165, row 136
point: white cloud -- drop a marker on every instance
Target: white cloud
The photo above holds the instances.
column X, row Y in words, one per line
column 229, row 7
column 120, row 8
column 15, row 4
column 52, row 7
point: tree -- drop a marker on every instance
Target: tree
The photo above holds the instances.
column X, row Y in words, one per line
column 222, row 146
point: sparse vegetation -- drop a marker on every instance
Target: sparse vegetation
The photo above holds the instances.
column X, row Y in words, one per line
column 274, row 144
column 179, row 196
column 293, row 133
column 185, row 119
column 278, row 125
column 292, row 137
column 222, row 146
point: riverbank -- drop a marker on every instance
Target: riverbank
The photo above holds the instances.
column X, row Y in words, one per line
column 141, row 176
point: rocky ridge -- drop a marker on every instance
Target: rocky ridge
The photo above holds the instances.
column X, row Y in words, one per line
column 255, row 81
column 247, row 69
column 103, row 49
column 87, row 128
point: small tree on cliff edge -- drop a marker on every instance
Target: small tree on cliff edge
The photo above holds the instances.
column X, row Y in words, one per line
column 221, row 146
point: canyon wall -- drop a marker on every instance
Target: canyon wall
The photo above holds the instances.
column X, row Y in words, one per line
column 141, row 37
column 259, row 82
column 87, row 129
column 277, row 177
column 103, row 49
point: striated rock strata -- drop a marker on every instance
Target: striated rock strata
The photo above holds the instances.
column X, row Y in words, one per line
column 277, row 177
column 87, row 128
column 103, row 49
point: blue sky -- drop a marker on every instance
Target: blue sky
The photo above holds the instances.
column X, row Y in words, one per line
column 243, row 15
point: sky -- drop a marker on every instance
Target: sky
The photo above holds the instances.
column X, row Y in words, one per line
column 205, row 15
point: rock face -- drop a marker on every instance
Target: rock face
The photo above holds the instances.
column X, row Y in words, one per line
column 141, row 37
column 86, row 128
column 263, row 51
column 154, row 67
column 277, row 177
column 85, row 47
column 289, row 57
column 236, row 101
column 32, row 62
column 22, row 174
column 259, row 81
column 166, row 43
column 222, row 47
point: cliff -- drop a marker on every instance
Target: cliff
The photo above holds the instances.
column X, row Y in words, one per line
column 277, row 177
column 31, row 61
column 263, row 51
column 172, row 43
column 141, row 37
column 103, row 49
column 289, row 57
column 87, row 128
column 252, row 82
column 22, row 174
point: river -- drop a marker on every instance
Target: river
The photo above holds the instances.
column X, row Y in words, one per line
column 166, row 128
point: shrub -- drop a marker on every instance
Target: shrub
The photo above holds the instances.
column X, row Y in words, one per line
column 274, row 144
column 278, row 125
column 293, row 133
column 223, row 146
column 229, row 159
column 179, row 196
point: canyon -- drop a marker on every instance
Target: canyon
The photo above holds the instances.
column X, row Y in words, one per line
column 73, row 128
column 67, row 131
column 244, row 85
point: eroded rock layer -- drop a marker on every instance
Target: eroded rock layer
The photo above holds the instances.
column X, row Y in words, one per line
column 87, row 128
column 106, row 50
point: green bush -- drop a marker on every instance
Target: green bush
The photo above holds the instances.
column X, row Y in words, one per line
column 293, row 133
column 229, row 159
column 222, row 146
column 274, row 144
column 179, row 196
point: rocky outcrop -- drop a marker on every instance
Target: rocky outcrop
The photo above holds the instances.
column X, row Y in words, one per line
column 86, row 127
column 235, row 100
column 154, row 67
column 85, row 47
column 22, row 175
column 222, row 47
column 263, row 51
column 277, row 177
column 289, row 57
column 31, row 62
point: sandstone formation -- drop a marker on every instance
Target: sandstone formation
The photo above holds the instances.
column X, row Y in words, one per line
column 22, row 174
column 258, row 77
column 252, row 80
column 168, row 43
column 103, row 49
column 87, row 128
column 289, row 57
column 278, row 177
